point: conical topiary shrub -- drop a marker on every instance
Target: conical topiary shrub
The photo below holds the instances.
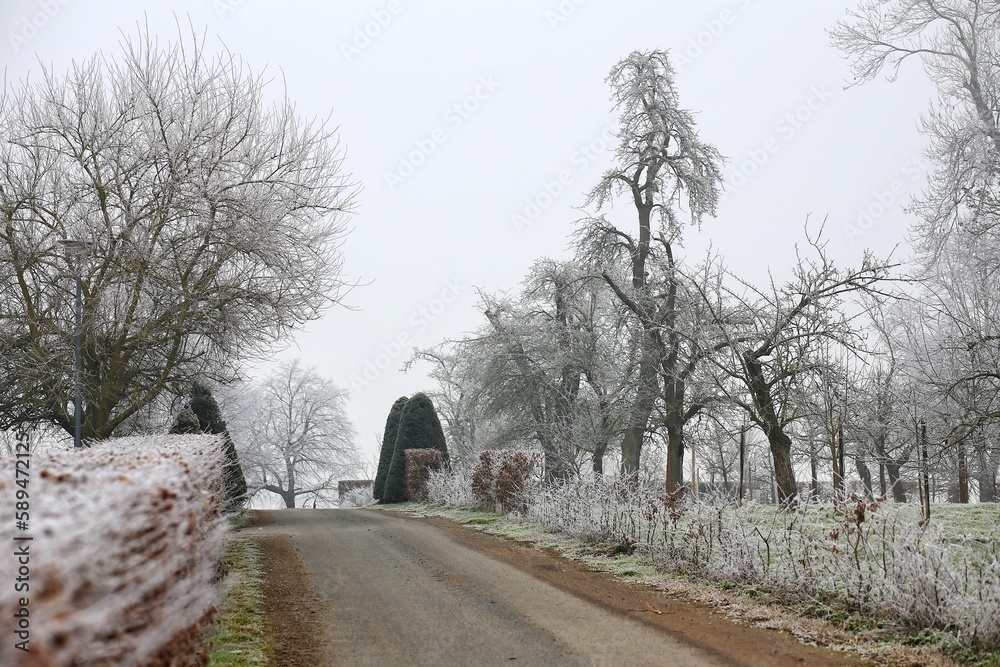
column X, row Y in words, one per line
column 186, row 422
column 419, row 428
column 206, row 410
column 388, row 446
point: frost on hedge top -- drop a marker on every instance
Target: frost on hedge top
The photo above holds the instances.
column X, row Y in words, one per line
column 214, row 219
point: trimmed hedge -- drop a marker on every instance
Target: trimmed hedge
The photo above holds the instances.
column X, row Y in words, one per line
column 419, row 464
column 388, row 446
column 419, row 428
column 127, row 535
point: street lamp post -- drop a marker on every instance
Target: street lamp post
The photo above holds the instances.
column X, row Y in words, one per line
column 77, row 249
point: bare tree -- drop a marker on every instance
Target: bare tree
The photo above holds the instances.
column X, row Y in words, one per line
column 950, row 357
column 546, row 367
column 294, row 436
column 662, row 167
column 953, row 343
column 211, row 222
column 541, row 366
column 958, row 42
column 777, row 346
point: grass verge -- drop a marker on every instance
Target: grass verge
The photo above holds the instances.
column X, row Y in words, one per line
column 238, row 637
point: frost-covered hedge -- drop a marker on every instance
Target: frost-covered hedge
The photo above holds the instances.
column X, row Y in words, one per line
column 126, row 537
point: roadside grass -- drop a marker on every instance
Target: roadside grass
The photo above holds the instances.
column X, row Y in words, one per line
column 881, row 640
column 238, row 637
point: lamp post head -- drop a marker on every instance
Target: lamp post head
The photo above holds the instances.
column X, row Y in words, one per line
column 75, row 247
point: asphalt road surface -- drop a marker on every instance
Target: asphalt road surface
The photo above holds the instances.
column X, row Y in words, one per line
column 389, row 589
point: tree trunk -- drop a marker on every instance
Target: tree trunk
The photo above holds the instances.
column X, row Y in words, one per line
column 963, row 475
column 632, row 446
column 675, row 457
column 598, row 460
column 676, row 415
column 604, row 408
column 784, row 475
column 922, row 452
column 289, row 494
column 722, row 467
column 987, row 477
column 866, row 477
column 813, row 472
column 840, row 461
column 779, row 442
column 638, row 419
column 556, row 464
column 892, row 471
column 987, row 486
column 743, row 456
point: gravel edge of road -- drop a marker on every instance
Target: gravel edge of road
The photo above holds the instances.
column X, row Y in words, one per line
column 288, row 603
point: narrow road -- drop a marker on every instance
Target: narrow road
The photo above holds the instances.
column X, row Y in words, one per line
column 388, row 589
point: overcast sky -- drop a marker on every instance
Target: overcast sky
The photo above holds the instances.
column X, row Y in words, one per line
column 476, row 127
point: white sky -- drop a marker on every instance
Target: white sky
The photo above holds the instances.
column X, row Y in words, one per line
column 528, row 79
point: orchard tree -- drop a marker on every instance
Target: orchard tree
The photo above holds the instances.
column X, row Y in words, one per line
column 777, row 339
column 388, row 446
column 543, row 366
column 533, row 352
column 297, row 439
column 204, row 224
column 880, row 404
column 672, row 179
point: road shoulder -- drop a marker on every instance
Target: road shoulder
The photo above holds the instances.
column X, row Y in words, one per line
column 289, row 602
column 698, row 624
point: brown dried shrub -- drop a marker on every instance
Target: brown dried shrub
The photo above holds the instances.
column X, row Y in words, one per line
column 501, row 478
column 419, row 464
column 484, row 479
